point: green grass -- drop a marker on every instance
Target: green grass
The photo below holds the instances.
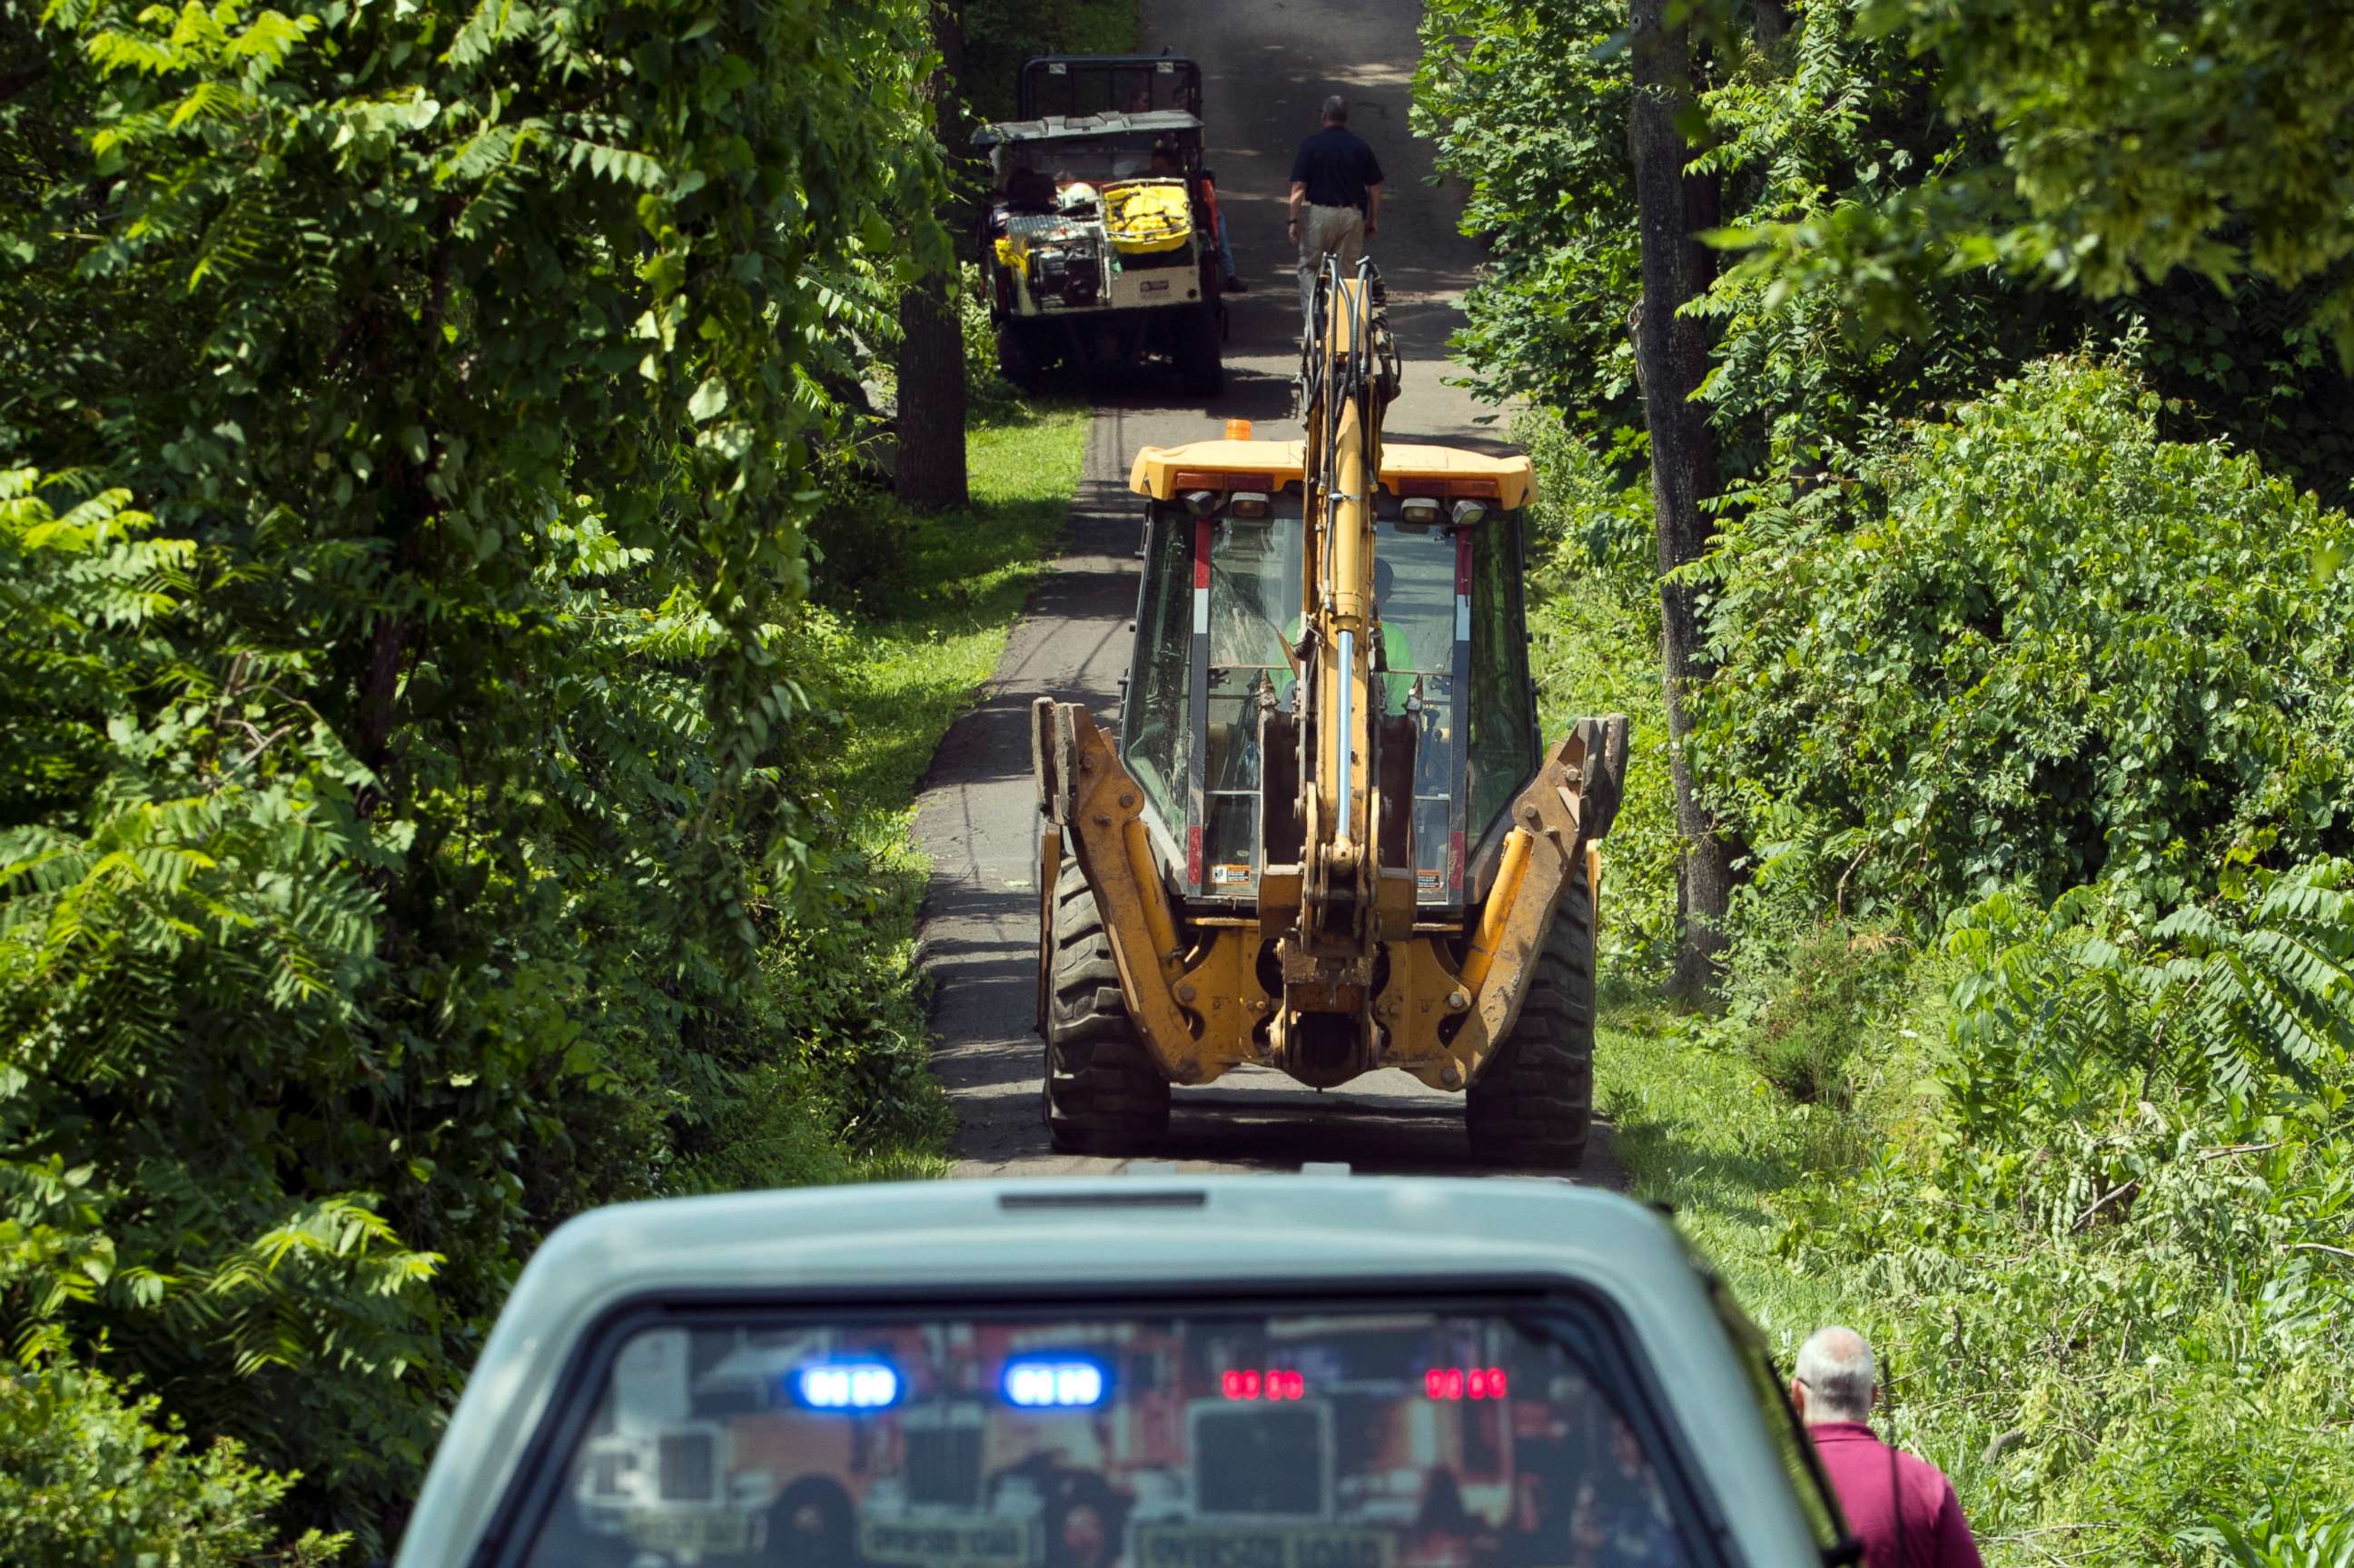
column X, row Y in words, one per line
column 928, row 639
column 912, row 656
column 1701, row 1130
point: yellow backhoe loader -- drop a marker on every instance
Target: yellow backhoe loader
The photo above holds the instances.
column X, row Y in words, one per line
column 1327, row 837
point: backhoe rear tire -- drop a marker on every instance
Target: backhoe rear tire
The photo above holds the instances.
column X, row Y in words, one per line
column 1103, row 1094
column 1534, row 1106
column 1201, row 362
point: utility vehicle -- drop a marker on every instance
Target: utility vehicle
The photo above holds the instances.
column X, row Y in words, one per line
column 1099, row 244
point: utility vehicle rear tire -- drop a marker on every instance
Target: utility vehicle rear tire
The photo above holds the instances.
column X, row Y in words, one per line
column 1021, row 356
column 1200, row 360
column 1534, row 1104
column 1103, row 1094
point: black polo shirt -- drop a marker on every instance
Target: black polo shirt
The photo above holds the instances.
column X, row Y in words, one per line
column 1336, row 167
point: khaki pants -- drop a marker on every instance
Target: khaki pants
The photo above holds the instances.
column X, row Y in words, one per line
column 1335, row 231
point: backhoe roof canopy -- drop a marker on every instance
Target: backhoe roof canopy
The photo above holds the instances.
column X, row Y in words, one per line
column 1450, row 473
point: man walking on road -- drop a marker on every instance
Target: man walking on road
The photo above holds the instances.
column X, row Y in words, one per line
column 1336, row 198
column 1901, row 1507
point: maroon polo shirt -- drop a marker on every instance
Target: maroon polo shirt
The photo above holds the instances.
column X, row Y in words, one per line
column 1890, row 1496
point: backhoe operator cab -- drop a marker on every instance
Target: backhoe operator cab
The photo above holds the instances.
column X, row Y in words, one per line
column 1221, row 539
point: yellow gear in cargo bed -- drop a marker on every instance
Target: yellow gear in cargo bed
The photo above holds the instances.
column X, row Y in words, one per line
column 1148, row 216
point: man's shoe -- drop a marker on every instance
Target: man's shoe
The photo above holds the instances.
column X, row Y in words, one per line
column 1233, row 285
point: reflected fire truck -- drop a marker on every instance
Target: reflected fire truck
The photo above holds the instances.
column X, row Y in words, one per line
column 1272, row 1446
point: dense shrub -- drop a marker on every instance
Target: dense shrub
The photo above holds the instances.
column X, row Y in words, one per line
column 2118, row 1256
column 92, row 1475
column 2033, row 644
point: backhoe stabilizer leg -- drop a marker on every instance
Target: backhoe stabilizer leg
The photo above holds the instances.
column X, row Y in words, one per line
column 1097, row 810
column 1569, row 804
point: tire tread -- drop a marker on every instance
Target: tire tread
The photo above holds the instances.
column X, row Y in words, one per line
column 1534, row 1104
column 1102, row 1093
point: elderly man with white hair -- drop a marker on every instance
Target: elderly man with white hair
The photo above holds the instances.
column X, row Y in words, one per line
column 1903, row 1509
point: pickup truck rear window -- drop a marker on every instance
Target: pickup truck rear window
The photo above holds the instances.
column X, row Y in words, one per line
column 1330, row 1439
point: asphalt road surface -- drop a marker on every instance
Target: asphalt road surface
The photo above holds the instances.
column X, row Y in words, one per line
column 1268, row 65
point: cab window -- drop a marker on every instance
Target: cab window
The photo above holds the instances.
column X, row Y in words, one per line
column 1153, row 742
column 1503, row 750
column 1255, row 623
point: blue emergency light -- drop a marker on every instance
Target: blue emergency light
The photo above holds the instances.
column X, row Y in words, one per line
column 1054, row 1383
column 847, row 1385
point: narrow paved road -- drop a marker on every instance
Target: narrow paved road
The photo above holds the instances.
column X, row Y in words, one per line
column 1266, row 66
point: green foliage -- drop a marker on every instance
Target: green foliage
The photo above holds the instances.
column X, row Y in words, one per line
column 411, row 804
column 1818, row 1005
column 1527, row 105
column 2034, row 644
column 989, row 395
column 2217, row 1001
column 1818, row 336
column 2129, row 140
column 999, row 34
column 2111, row 1301
column 92, row 1475
column 2032, row 709
column 2123, row 1238
column 2285, row 1538
column 1595, row 624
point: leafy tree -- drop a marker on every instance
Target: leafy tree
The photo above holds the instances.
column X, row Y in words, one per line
column 2127, row 140
column 930, row 470
column 411, row 415
column 1529, row 105
column 1675, row 206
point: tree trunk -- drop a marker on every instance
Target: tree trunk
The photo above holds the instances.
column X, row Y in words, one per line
column 1672, row 358
column 930, row 423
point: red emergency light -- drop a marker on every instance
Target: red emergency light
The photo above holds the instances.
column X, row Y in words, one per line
column 1465, row 1383
column 1273, row 1383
